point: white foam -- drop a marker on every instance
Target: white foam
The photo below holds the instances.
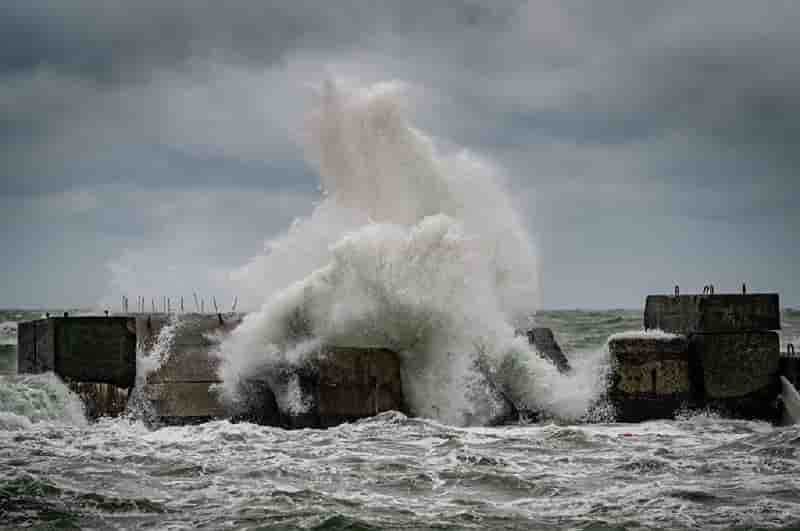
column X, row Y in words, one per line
column 38, row 398
column 149, row 361
column 656, row 334
column 8, row 333
column 412, row 249
column 139, row 406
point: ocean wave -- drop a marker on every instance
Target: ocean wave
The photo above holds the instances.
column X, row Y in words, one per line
column 39, row 398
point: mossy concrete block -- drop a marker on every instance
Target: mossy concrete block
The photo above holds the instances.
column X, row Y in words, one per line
column 688, row 314
column 651, row 377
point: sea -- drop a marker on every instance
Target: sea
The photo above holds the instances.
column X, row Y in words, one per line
column 701, row 471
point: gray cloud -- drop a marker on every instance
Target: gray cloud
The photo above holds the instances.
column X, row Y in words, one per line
column 629, row 129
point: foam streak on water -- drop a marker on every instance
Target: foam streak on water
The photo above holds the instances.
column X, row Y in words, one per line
column 396, row 473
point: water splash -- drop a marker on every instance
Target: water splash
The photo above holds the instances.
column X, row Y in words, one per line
column 149, row 358
column 33, row 398
column 8, row 333
column 414, row 249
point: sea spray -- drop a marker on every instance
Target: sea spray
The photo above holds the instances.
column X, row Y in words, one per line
column 8, row 333
column 149, row 358
column 412, row 249
column 32, row 398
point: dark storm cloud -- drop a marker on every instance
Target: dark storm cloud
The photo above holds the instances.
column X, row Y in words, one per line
column 671, row 114
column 75, row 76
column 113, row 42
column 116, row 41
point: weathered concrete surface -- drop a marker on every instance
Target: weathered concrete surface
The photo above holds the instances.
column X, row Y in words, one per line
column 340, row 384
column 790, row 369
column 355, row 383
column 738, row 373
column 791, row 403
column 547, row 346
column 257, row 404
column 96, row 349
column 100, row 399
column 651, row 376
column 185, row 400
column 737, row 364
column 81, row 349
column 36, row 346
column 189, row 355
column 688, row 314
column 181, row 389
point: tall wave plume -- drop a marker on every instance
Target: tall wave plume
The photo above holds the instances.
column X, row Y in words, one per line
column 414, row 249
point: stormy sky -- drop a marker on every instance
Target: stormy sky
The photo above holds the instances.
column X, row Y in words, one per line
column 151, row 147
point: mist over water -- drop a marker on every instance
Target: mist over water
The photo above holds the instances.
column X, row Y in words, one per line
column 412, row 248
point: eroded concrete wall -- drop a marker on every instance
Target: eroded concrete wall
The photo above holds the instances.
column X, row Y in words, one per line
column 651, row 377
column 738, row 373
column 80, row 349
column 734, row 358
column 183, row 386
column 689, row 314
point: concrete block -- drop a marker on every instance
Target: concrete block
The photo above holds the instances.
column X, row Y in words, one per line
column 36, row 346
column 651, row 376
column 96, row 349
column 547, row 346
column 355, row 383
column 790, row 369
column 688, row 314
column 186, row 400
column 100, row 399
column 735, row 365
column 191, row 353
column 738, row 374
column 81, row 349
column 187, row 366
column 257, row 404
column 340, row 384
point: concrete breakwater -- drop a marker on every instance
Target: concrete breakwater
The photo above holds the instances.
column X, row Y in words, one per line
column 178, row 372
column 97, row 358
column 698, row 351
column 717, row 351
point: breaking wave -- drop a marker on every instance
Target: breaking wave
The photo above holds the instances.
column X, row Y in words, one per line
column 32, row 398
column 415, row 249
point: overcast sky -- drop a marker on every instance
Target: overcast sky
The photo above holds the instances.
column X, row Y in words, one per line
column 150, row 147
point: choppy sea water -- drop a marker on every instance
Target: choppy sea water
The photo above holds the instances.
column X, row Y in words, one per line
column 392, row 472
